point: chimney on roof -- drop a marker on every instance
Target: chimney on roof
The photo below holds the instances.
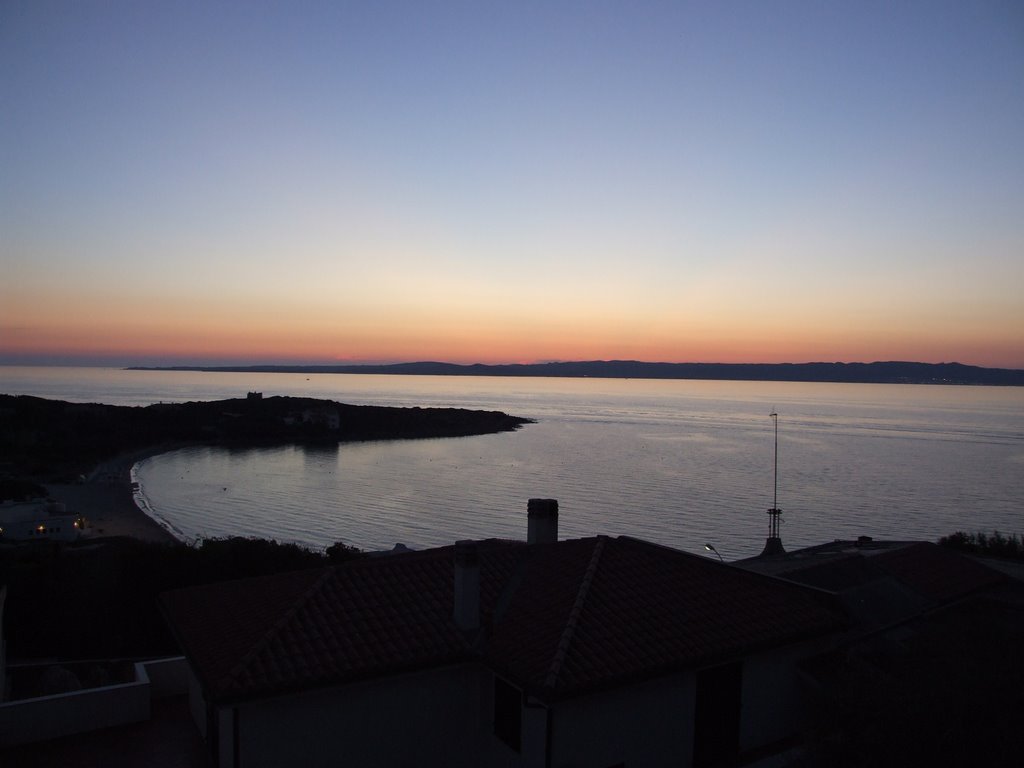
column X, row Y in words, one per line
column 467, row 585
column 542, row 521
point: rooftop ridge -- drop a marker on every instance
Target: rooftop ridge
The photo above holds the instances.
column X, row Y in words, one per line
column 518, row 572
column 276, row 627
column 738, row 568
column 508, row 589
column 574, row 616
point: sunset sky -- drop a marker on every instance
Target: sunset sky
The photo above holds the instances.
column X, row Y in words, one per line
column 188, row 182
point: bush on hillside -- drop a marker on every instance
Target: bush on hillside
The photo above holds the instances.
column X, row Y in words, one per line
column 991, row 545
column 100, row 600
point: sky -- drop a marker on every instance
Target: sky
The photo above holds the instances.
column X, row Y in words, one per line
column 317, row 182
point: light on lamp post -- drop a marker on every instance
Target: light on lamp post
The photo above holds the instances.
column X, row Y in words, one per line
column 711, row 548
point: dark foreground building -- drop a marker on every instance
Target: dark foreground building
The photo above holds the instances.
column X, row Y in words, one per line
column 588, row 652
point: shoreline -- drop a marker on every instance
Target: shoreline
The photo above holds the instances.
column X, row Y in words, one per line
column 107, row 499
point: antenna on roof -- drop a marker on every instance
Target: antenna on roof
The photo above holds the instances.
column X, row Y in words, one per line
column 773, row 546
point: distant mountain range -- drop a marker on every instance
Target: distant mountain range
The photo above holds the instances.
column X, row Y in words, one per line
column 860, row 373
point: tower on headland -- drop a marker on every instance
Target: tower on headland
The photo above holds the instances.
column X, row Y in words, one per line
column 773, row 545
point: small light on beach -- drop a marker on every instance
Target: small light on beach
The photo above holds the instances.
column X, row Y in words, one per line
column 41, row 528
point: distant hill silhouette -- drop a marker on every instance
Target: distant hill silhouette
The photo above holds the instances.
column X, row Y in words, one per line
column 866, row 373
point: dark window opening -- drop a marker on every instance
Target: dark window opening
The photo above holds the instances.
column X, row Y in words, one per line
column 508, row 713
column 716, row 726
column 212, row 733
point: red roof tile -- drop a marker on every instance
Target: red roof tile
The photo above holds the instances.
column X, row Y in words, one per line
column 937, row 573
column 627, row 609
column 221, row 620
column 934, row 573
column 559, row 618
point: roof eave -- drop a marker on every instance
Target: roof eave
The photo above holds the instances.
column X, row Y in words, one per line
column 299, row 688
column 551, row 696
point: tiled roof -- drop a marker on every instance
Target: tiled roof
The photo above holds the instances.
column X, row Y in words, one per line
column 934, row 573
column 317, row 627
column 937, row 573
column 220, row 621
column 593, row 612
column 843, row 571
column 558, row 618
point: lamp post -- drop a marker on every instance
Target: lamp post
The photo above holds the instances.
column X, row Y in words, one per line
column 711, row 548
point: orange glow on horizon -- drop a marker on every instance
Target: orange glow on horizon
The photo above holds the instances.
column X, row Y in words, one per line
column 244, row 331
column 230, row 348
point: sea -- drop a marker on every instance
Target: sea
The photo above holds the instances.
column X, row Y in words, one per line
column 680, row 463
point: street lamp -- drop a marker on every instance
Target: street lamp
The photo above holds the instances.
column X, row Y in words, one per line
column 710, row 548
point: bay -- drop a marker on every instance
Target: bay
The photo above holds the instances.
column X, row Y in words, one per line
column 681, row 463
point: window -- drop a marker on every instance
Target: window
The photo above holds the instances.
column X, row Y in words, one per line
column 508, row 713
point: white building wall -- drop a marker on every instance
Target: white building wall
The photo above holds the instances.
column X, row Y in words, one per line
column 535, row 737
column 429, row 718
column 196, row 703
column 48, row 717
column 652, row 724
column 444, row 717
column 773, row 703
column 30, row 520
column 642, row 725
column 225, row 737
column 168, row 677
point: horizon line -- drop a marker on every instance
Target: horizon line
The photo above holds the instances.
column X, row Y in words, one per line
column 141, row 362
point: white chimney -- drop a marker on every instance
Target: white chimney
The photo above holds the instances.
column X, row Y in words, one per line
column 467, row 585
column 542, row 521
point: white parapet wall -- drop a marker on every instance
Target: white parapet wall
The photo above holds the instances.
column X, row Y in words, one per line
column 50, row 717
column 167, row 677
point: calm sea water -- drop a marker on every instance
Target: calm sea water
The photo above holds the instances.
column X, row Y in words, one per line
column 681, row 463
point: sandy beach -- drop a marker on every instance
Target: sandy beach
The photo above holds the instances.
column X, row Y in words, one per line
column 107, row 502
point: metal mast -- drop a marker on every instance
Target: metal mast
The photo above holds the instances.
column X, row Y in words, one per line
column 774, row 543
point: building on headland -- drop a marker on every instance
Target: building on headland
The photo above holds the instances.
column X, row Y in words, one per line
column 593, row 651
column 324, row 418
column 38, row 519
